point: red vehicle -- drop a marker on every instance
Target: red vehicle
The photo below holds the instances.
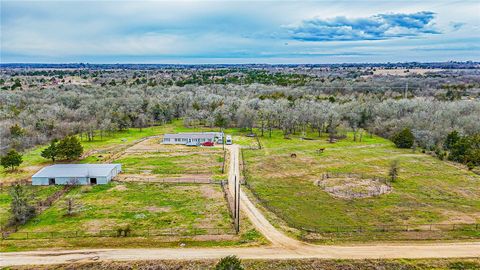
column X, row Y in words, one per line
column 208, row 144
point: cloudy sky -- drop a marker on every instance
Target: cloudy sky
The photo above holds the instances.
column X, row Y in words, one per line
column 239, row 31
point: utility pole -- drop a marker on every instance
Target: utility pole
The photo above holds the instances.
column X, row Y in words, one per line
column 238, row 205
column 223, row 139
column 406, row 90
column 235, row 200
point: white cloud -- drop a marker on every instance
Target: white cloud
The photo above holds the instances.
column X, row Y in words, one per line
column 182, row 31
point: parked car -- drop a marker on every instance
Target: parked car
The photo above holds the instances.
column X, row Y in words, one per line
column 228, row 140
column 208, row 144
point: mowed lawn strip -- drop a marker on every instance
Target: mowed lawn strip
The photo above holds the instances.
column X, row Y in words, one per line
column 172, row 163
column 428, row 190
column 140, row 206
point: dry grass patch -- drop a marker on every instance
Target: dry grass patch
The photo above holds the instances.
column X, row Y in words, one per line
column 353, row 188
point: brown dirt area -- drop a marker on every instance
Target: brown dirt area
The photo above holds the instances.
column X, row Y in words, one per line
column 209, row 192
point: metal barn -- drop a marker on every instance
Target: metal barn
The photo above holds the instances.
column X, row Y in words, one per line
column 78, row 174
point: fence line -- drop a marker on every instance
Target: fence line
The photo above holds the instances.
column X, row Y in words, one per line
column 420, row 227
column 224, row 160
column 228, row 197
column 22, row 182
column 166, row 151
column 25, row 235
column 193, row 180
column 328, row 175
column 207, row 170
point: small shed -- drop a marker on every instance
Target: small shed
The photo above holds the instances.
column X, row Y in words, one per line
column 78, row 174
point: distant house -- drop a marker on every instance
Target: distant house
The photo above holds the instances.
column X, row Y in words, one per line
column 193, row 138
column 79, row 174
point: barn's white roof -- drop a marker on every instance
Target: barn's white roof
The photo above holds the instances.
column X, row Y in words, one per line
column 76, row 170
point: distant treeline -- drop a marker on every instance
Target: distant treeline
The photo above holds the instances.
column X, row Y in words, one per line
column 445, row 65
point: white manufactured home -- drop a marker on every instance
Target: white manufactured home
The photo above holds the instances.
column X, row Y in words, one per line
column 193, row 138
column 78, row 174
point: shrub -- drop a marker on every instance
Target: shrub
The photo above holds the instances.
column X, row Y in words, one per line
column 11, row 160
column 470, row 165
column 451, row 140
column 70, row 148
column 20, row 207
column 229, row 263
column 51, row 152
column 404, row 139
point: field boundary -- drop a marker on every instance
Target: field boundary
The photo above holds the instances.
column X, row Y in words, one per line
column 22, row 182
column 173, row 180
column 27, row 235
column 228, row 197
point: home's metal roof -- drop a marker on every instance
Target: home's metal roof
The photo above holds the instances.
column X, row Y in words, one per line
column 76, row 170
column 193, row 135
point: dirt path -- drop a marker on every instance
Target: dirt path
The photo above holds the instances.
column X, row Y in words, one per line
column 282, row 246
column 276, row 237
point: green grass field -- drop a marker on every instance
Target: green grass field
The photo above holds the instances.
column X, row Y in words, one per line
column 137, row 205
column 35, row 193
column 159, row 215
column 168, row 165
column 428, row 190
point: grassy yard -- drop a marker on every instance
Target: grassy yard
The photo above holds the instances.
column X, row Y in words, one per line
column 173, row 164
column 137, row 205
column 428, row 190
column 147, row 209
column 35, row 193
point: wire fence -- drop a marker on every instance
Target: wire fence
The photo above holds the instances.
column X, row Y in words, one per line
column 395, row 228
column 359, row 176
column 25, row 235
column 174, row 180
column 22, row 182
column 228, row 198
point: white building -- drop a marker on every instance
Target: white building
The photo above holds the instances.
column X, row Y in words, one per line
column 193, row 138
column 79, row 174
